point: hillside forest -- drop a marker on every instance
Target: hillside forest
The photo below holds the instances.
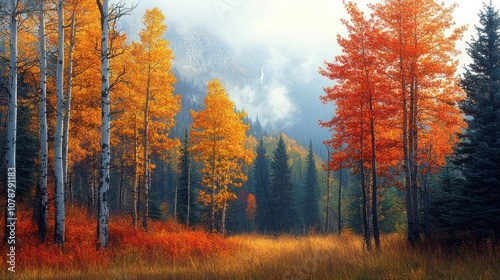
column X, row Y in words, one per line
column 104, row 149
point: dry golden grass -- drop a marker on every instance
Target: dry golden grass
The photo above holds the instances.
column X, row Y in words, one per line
column 311, row 257
column 170, row 251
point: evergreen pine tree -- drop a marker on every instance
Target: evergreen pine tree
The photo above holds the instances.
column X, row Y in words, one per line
column 156, row 211
column 262, row 191
column 282, row 194
column 256, row 128
column 446, row 202
column 478, row 153
column 311, row 193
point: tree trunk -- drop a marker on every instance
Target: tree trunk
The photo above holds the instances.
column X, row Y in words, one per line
column 175, row 198
column 103, row 218
column 366, row 228
column 426, row 203
column 42, row 198
column 405, row 136
column 121, row 191
column 67, row 109
column 70, row 187
column 10, row 205
column 327, row 210
column 340, row 197
column 414, row 154
column 188, row 194
column 212, row 210
column 135, row 191
column 59, row 231
column 376, row 232
column 223, row 221
column 146, row 154
column 212, row 194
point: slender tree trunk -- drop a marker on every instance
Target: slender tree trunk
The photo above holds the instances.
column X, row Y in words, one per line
column 212, row 210
column 10, row 205
column 426, row 204
column 366, row 228
column 90, row 197
column 103, row 218
column 146, row 154
column 135, row 191
column 414, row 152
column 121, row 190
column 212, row 194
column 70, row 186
column 340, row 197
column 223, row 222
column 327, row 210
column 175, row 199
column 188, row 215
column 59, row 232
column 376, row 232
column 67, row 111
column 405, row 136
column 42, row 198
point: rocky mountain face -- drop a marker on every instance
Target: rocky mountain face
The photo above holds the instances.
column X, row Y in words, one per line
column 201, row 56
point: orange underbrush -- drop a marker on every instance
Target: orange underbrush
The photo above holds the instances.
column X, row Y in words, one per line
column 166, row 242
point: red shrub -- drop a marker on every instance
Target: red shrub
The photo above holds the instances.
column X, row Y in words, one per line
column 166, row 242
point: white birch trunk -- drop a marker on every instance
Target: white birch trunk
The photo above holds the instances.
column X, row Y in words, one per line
column 10, row 212
column 44, row 147
column 67, row 109
column 58, row 164
column 103, row 218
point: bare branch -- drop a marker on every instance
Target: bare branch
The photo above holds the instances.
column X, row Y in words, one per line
column 119, row 10
column 119, row 79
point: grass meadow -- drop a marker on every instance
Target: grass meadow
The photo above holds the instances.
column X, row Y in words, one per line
column 170, row 251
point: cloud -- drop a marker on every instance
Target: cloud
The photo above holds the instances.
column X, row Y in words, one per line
column 293, row 27
column 272, row 104
column 297, row 36
column 268, row 97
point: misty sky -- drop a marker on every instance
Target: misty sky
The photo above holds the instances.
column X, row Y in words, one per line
column 304, row 28
column 298, row 34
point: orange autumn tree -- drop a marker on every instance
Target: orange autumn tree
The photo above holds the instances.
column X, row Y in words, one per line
column 85, row 120
column 365, row 111
column 396, row 95
column 218, row 141
column 421, row 63
column 152, row 105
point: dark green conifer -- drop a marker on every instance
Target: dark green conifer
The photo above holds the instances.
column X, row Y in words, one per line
column 311, row 193
column 478, row 153
column 282, row 194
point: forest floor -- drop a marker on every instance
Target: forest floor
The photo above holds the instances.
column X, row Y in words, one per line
column 169, row 251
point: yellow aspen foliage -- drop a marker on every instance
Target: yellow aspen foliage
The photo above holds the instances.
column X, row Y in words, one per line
column 218, row 141
column 147, row 106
